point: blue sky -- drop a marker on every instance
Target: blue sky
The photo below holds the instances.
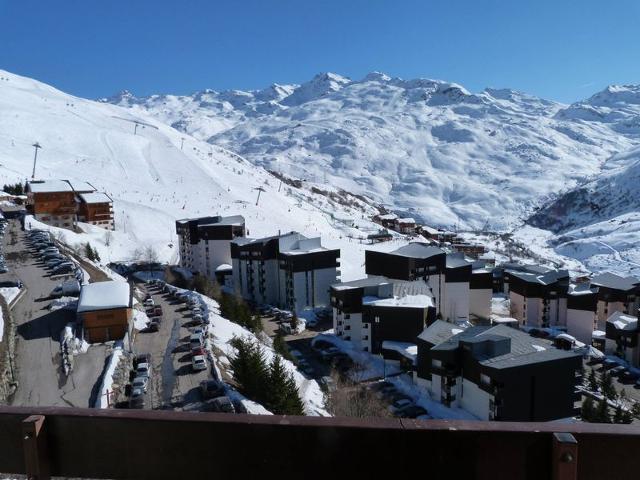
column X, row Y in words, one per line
column 561, row 50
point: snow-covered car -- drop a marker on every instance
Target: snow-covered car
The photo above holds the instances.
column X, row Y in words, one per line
column 198, row 363
column 149, row 302
column 198, row 331
column 223, row 405
column 196, row 341
column 140, row 383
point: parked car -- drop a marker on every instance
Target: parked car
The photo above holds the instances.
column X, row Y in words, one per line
column 137, row 398
column 62, row 269
column 143, row 370
column 11, row 284
column 223, row 405
column 401, row 404
column 211, row 388
column 141, row 358
column 412, row 411
column 198, row 362
column 149, row 302
column 152, row 327
column 196, row 341
column 70, row 288
column 608, row 363
column 140, row 383
column 617, row 371
column 329, row 353
column 629, row 376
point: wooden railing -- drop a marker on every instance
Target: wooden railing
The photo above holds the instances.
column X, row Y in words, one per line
column 166, row 444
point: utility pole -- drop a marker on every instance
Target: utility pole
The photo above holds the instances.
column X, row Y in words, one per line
column 182, row 143
column 135, row 128
column 35, row 157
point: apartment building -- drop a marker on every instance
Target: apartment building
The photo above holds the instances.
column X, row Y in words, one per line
column 615, row 294
column 204, row 243
column 622, row 337
column 289, row 271
column 96, row 208
column 447, row 276
column 539, row 300
column 497, row 372
column 581, row 322
column 374, row 310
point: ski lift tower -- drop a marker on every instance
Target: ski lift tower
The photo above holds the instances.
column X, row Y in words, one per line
column 260, row 190
column 35, row 158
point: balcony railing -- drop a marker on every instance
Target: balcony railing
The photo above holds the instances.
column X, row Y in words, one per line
column 165, row 444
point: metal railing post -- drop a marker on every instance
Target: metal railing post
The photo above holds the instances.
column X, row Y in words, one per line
column 564, row 457
column 36, row 458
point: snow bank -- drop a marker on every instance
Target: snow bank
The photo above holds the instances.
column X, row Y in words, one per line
column 224, row 330
column 68, row 303
column 140, row 320
column 9, row 293
column 107, row 378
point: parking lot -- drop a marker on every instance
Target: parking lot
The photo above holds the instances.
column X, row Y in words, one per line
column 173, row 383
column 38, row 363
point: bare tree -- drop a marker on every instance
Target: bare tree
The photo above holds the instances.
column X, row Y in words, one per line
column 351, row 399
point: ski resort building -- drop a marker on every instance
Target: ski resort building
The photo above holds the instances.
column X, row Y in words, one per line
column 582, row 300
column 622, row 337
column 204, row 243
column 62, row 203
column 374, row 310
column 288, row 271
column 105, row 311
column 96, row 208
column 447, row 276
column 406, row 226
column 615, row 294
column 387, row 220
column 539, row 300
column 497, row 373
column 52, row 202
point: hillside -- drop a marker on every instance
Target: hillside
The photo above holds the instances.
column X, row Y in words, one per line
column 426, row 147
column 599, row 222
column 154, row 178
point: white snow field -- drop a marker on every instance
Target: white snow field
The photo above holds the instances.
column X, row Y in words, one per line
column 159, row 175
column 435, row 151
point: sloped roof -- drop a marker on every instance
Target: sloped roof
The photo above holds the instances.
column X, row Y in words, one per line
column 418, row 250
column 613, row 281
column 50, row 186
column 104, row 296
column 95, row 197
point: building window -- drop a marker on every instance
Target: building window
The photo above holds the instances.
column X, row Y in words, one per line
column 485, row 379
column 365, row 325
column 436, row 363
column 377, row 319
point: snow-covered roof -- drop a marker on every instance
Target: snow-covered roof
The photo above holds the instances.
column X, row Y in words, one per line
column 503, row 320
column 104, row 296
column 224, row 267
column 409, row 301
column 430, row 230
column 82, row 187
column 623, row 321
column 613, row 281
column 388, row 216
column 50, row 186
column 406, row 220
column 407, row 350
column 597, row 334
column 95, row 197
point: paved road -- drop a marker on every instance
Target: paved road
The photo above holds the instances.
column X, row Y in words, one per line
column 41, row 380
column 173, row 384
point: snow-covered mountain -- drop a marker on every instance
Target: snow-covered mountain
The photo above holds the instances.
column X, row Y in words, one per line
column 599, row 222
column 426, row 147
column 159, row 174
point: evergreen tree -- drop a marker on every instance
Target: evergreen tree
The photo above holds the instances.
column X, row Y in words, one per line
column 277, row 388
column 250, row 369
column 588, row 410
column 618, row 415
column 96, row 255
column 280, row 346
column 593, row 381
column 606, row 385
column 635, row 410
column 602, row 412
column 88, row 252
column 294, row 402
